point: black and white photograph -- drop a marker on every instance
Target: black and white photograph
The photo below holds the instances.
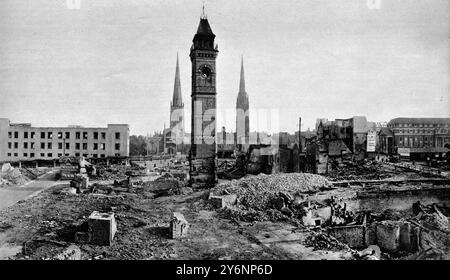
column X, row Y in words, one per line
column 226, row 131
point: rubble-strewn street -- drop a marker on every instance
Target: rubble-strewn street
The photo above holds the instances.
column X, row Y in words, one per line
column 278, row 216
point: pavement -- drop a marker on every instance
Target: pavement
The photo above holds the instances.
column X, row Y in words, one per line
column 11, row 195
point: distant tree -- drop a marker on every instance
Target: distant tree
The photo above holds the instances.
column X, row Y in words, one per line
column 138, row 145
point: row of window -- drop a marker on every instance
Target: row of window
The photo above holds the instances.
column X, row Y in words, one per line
column 50, row 155
column 95, row 135
column 421, row 141
column 423, row 131
column 31, row 145
column 421, row 125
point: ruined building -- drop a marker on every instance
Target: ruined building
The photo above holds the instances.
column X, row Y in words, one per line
column 202, row 156
column 174, row 136
column 242, row 114
column 21, row 142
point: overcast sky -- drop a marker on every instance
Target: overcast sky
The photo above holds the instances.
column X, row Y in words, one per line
column 113, row 61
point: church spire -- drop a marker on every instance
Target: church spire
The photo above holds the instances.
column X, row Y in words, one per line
column 177, row 101
column 242, row 81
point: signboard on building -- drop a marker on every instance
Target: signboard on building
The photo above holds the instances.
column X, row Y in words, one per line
column 371, row 141
column 404, row 152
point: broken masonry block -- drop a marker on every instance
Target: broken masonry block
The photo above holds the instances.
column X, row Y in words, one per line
column 101, row 227
column 388, row 236
column 223, row 200
column 405, row 236
column 178, row 226
column 288, row 199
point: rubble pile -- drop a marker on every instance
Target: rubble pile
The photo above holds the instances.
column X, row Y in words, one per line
column 12, row 176
column 432, row 216
column 117, row 172
column 257, row 192
column 258, row 196
column 324, row 241
column 369, row 170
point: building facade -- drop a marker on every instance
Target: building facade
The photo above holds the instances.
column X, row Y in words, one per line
column 22, row 142
column 421, row 138
column 202, row 156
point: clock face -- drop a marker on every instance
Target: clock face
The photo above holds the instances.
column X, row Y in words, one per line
column 206, row 72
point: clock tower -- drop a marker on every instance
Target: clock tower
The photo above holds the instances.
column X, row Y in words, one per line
column 202, row 156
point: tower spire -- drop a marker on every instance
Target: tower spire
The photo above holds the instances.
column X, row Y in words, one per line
column 176, row 100
column 242, row 81
column 203, row 11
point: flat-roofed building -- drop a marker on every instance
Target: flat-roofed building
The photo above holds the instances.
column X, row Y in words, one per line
column 20, row 142
column 419, row 138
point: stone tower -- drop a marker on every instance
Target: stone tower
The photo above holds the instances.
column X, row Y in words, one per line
column 202, row 157
column 176, row 115
column 242, row 114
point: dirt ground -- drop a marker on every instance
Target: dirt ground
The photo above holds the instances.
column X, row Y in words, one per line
column 43, row 226
column 47, row 224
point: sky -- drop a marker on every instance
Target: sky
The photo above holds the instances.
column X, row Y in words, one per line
column 113, row 61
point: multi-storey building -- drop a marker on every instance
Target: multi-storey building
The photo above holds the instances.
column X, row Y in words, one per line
column 20, row 142
column 419, row 138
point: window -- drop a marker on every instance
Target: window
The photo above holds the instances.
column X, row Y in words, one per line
column 42, row 155
column 9, row 145
column 77, row 135
column 49, row 135
column 102, row 155
column 85, row 135
column 77, row 154
column 9, row 154
column 66, row 155
column 16, row 145
column 9, row 134
column 31, row 155
column 16, row 155
column 95, row 155
column 25, row 154
column 42, row 135
column 103, row 135
column 60, row 146
column 117, row 135
column 67, row 135
column 25, row 134
column 59, row 155
column 95, row 135
column 102, row 146
column 32, row 134
column 25, row 145
column 60, row 134
column 85, row 155
column 67, row 146
column 42, row 145
column 84, row 146
column 32, row 145
column 95, row 146
column 49, row 145
column 117, row 146
column 16, row 134
column 49, row 155
column 77, row 146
